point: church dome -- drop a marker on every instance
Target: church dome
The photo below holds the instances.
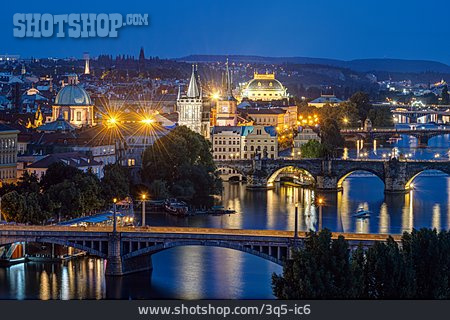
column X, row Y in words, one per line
column 72, row 95
column 265, row 84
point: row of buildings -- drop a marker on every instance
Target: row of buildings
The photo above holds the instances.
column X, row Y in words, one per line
column 79, row 134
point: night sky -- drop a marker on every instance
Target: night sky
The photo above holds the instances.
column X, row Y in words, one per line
column 341, row 29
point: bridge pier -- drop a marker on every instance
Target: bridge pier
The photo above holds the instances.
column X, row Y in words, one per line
column 116, row 265
column 327, row 183
column 422, row 140
column 395, row 177
column 114, row 260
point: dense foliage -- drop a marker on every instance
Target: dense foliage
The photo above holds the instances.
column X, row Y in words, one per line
column 181, row 164
column 323, row 268
column 312, row 149
column 64, row 192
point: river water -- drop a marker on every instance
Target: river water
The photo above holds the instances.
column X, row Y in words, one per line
column 217, row 273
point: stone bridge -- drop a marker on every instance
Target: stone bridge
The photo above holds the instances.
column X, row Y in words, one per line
column 422, row 135
column 130, row 248
column 329, row 174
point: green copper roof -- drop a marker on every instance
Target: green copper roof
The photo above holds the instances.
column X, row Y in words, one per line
column 73, row 95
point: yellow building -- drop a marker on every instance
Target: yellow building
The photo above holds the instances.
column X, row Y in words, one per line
column 283, row 117
column 264, row 87
column 259, row 141
column 244, row 142
column 8, row 154
column 74, row 104
column 325, row 99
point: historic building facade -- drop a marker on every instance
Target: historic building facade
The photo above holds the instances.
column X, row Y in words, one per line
column 244, row 142
column 264, row 87
column 8, row 154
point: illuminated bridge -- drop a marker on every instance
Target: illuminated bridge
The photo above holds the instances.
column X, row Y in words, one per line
column 422, row 135
column 130, row 249
column 328, row 175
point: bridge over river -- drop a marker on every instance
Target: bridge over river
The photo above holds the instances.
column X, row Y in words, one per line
column 328, row 175
column 129, row 249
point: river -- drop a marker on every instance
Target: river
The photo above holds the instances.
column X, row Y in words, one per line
column 218, row 273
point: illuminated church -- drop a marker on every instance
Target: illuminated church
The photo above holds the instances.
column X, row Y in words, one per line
column 74, row 104
column 264, row 87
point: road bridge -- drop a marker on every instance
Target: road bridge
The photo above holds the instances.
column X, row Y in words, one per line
column 129, row 249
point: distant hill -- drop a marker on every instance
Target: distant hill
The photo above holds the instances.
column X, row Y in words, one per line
column 361, row 65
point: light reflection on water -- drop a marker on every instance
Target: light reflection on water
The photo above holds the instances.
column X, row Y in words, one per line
column 217, row 273
column 205, row 272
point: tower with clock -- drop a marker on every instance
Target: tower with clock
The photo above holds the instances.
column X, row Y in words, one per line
column 227, row 104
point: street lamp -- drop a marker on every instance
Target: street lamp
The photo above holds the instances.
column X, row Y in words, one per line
column 143, row 209
column 320, row 202
column 296, row 225
column 114, row 216
column 345, row 120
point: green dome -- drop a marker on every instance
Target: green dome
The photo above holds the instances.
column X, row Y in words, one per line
column 72, row 95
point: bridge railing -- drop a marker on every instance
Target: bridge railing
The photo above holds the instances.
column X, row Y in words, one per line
column 197, row 231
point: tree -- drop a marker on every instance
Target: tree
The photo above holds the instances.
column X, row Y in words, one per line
column 323, row 268
column 428, row 253
column 381, row 116
column 319, row 270
column 115, row 182
column 331, row 136
column 158, row 189
column 385, row 272
column 312, row 149
column 23, row 208
column 56, row 173
column 183, row 160
column 362, row 102
column 445, row 96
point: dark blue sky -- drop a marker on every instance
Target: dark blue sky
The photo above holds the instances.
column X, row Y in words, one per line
column 341, row 29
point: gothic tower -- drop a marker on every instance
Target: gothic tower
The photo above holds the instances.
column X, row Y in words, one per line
column 227, row 104
column 190, row 105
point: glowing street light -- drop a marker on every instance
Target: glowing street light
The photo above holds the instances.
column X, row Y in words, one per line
column 148, row 121
column 320, row 203
column 215, row 95
column 144, row 196
column 114, row 216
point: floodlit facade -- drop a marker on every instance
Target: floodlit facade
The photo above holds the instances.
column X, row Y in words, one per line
column 264, row 87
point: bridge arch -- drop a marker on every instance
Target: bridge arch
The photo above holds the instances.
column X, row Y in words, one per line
column 292, row 170
column 89, row 250
column 344, row 175
column 410, row 182
column 277, row 257
column 231, row 173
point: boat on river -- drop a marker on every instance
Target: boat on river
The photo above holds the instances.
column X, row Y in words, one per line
column 220, row 210
column 176, row 207
column 362, row 213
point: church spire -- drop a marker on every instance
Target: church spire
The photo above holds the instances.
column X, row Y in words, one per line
column 228, row 83
column 193, row 90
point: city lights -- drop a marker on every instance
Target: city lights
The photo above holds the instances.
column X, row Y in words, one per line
column 148, row 121
column 215, row 95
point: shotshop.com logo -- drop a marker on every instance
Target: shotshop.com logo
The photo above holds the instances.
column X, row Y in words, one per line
column 74, row 25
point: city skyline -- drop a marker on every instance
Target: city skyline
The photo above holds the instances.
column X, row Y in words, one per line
column 323, row 29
